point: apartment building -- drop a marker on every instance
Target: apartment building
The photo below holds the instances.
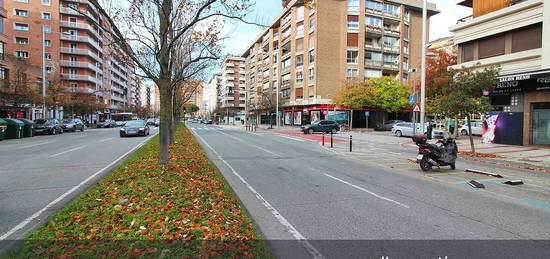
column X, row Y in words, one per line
column 3, row 40
column 309, row 53
column 77, row 51
column 514, row 35
column 232, row 93
column 210, row 93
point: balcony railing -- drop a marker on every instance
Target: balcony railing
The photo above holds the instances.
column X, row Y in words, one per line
column 78, row 25
column 376, row 63
column 81, row 52
column 464, row 19
column 373, row 29
column 390, row 65
column 77, row 77
column 86, row 39
column 67, row 63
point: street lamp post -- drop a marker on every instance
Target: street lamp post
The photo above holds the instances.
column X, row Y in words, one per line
column 44, row 112
column 413, row 72
column 423, row 68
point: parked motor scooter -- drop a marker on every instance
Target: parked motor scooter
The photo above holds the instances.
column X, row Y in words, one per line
column 443, row 153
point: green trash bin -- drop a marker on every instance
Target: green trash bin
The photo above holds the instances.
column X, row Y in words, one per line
column 15, row 129
column 3, row 129
column 28, row 128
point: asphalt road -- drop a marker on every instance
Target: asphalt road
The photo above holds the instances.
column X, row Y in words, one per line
column 37, row 173
column 296, row 190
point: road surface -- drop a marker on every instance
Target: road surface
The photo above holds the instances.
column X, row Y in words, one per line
column 296, row 190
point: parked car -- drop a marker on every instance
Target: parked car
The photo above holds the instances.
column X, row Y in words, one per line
column 106, row 124
column 157, row 122
column 406, row 129
column 208, row 121
column 134, row 128
column 72, row 125
column 476, row 128
column 150, row 122
column 321, row 126
column 51, row 127
column 387, row 125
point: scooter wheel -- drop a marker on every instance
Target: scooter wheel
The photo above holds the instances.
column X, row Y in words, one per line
column 453, row 166
column 425, row 165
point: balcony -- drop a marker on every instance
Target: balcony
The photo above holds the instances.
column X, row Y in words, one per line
column 85, row 52
column 373, row 30
column 392, row 32
column 392, row 49
column 373, row 11
column 390, row 66
column 118, row 72
column 84, row 39
column 395, row 16
column 373, row 47
column 83, row 26
column 76, row 77
column 88, row 65
column 116, row 89
column 118, row 81
column 118, row 99
column 373, row 63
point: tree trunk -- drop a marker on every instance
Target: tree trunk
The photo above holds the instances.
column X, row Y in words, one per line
column 470, row 134
column 165, row 122
column 455, row 133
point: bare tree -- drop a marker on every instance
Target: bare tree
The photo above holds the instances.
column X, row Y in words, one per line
column 166, row 40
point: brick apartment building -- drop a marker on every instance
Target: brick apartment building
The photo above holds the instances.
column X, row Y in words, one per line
column 77, row 52
column 232, row 93
column 516, row 36
column 210, row 95
column 309, row 52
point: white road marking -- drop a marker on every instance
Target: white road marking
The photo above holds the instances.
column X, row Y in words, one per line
column 297, row 139
column 37, row 144
column 67, row 151
column 28, row 220
column 395, row 153
column 290, row 229
column 369, row 192
column 258, row 147
column 107, row 139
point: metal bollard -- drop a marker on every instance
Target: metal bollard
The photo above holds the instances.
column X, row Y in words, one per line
column 350, row 143
column 323, row 139
column 331, row 142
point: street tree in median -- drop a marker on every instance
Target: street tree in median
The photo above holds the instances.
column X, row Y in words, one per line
column 155, row 36
column 464, row 95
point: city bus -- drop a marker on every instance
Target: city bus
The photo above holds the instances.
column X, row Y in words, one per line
column 121, row 118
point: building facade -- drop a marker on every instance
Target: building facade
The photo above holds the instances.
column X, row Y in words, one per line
column 77, row 52
column 514, row 35
column 232, row 93
column 210, row 94
column 309, row 52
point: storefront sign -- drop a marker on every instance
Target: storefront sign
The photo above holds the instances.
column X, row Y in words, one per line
column 529, row 82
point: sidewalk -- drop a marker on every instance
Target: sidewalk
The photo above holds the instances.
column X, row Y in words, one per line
column 521, row 156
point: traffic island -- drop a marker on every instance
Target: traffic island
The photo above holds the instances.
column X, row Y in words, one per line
column 141, row 209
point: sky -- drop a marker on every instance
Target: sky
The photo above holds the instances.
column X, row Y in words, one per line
column 239, row 35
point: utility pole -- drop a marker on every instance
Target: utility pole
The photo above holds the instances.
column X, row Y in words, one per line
column 423, row 69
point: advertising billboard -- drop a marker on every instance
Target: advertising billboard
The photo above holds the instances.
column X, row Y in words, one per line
column 503, row 128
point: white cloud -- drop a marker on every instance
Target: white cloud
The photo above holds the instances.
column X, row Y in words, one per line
column 450, row 13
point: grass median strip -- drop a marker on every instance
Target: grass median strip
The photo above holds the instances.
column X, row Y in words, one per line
column 141, row 209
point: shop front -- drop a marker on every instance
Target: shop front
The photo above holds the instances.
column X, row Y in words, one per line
column 304, row 115
column 528, row 94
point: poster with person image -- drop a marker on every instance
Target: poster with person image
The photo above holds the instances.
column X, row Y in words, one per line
column 315, row 116
column 288, row 118
column 297, row 118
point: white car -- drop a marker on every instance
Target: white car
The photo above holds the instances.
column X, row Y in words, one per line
column 406, row 129
column 476, row 129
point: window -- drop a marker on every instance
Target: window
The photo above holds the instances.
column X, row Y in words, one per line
column 373, row 58
column 369, row 73
column 391, row 9
column 21, row 40
column 49, row 70
column 353, row 5
column 300, row 13
column 48, row 43
column 372, row 5
column 311, row 75
column 390, row 41
column 47, row 29
column 285, row 93
column 311, row 56
column 353, row 40
column 491, row 46
column 22, row 54
column 352, row 72
column 286, row 63
column 21, row 12
column 299, row 79
column 300, row 29
column 527, row 38
column 3, row 73
column 299, row 60
column 467, row 51
column 48, row 56
column 1, row 50
column 46, row 16
column 352, row 56
column 373, row 21
column 21, row 26
column 311, row 24
column 353, row 21
column 73, row 86
column 46, row 2
column 390, row 59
